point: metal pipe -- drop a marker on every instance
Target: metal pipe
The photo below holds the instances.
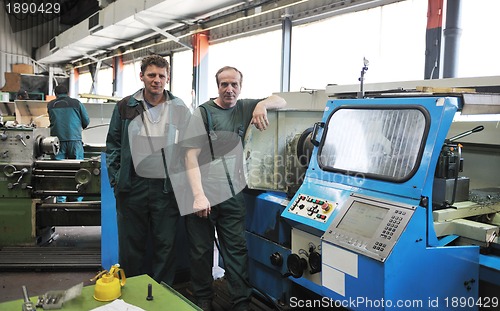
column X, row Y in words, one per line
column 52, row 171
column 56, row 192
column 69, row 209
column 54, row 176
column 74, row 164
column 452, row 34
column 286, row 44
column 85, row 205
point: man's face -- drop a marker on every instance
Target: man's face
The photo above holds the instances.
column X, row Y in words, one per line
column 229, row 87
column 154, row 79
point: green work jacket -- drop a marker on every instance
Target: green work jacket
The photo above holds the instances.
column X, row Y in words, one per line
column 119, row 157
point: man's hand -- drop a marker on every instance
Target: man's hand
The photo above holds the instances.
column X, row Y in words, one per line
column 259, row 117
column 201, row 206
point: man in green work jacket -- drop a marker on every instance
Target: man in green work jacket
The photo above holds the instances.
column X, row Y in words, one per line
column 141, row 146
column 68, row 118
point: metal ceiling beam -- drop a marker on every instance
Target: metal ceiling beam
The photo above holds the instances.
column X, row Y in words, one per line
column 160, row 31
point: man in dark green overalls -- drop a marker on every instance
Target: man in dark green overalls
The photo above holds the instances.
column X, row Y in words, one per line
column 218, row 200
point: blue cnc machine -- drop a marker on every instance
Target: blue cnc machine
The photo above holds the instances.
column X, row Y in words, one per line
column 366, row 202
column 366, row 228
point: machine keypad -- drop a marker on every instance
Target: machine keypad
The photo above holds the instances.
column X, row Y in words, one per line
column 392, row 225
column 379, row 246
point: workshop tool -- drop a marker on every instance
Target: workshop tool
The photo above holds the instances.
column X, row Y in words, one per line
column 27, row 304
column 56, row 298
column 108, row 284
column 150, row 292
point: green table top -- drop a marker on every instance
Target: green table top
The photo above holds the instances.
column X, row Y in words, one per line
column 134, row 292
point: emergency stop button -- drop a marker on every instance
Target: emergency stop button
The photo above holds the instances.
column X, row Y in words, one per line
column 325, row 206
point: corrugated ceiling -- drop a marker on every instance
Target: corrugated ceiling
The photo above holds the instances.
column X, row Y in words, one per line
column 124, row 22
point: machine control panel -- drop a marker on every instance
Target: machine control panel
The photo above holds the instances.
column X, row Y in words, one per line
column 312, row 208
column 369, row 226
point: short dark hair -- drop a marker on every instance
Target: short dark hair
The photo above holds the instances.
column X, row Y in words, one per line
column 228, row 68
column 156, row 60
column 61, row 89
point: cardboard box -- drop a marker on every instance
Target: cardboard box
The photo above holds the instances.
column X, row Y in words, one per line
column 12, row 82
column 23, row 68
column 32, row 111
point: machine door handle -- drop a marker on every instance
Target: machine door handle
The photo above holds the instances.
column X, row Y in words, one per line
column 316, row 127
column 478, row 128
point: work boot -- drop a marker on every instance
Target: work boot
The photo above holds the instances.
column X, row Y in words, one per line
column 205, row 305
column 242, row 306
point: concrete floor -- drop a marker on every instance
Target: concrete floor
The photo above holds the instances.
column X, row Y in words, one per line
column 40, row 280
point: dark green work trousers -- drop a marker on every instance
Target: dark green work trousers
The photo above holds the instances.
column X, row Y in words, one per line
column 229, row 220
column 70, row 149
column 146, row 212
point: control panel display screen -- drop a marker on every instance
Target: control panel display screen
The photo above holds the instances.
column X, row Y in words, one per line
column 362, row 219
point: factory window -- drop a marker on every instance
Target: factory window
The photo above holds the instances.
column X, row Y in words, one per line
column 479, row 49
column 379, row 142
column 131, row 80
column 104, row 85
column 259, row 59
column 182, row 76
column 105, row 81
column 84, row 84
column 331, row 51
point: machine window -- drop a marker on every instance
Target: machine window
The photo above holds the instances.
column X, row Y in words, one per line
column 382, row 143
column 362, row 219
